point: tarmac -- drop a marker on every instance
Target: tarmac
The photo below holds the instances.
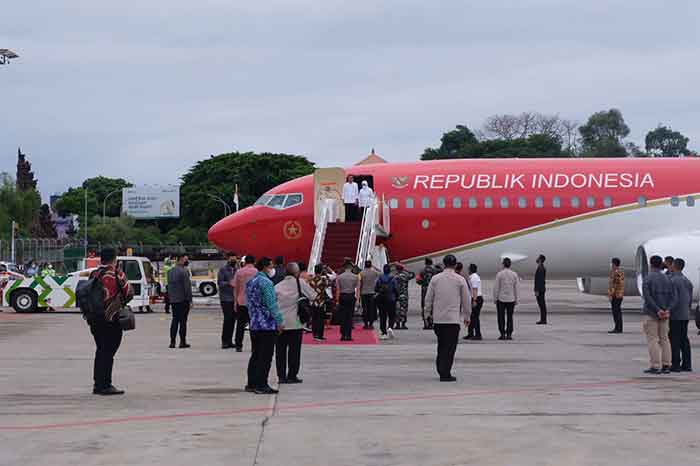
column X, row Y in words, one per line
column 563, row 394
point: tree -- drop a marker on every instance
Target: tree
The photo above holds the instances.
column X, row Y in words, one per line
column 664, row 142
column 73, row 200
column 218, row 175
column 453, row 144
column 19, row 206
column 43, row 226
column 603, row 134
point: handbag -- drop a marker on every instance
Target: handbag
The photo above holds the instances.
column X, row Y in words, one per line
column 127, row 318
column 303, row 306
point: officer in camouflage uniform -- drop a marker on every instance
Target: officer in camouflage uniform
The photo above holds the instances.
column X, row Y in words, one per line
column 403, row 276
column 424, row 280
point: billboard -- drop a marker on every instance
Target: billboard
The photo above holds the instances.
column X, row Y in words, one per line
column 151, row 201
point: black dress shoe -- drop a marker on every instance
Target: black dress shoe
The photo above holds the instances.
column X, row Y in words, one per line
column 652, row 370
column 675, row 369
column 502, row 337
column 227, row 346
column 172, row 345
column 686, row 369
column 477, row 338
column 184, row 345
column 249, row 389
column 239, row 349
column 448, row 379
column 539, row 322
column 508, row 337
column 266, row 391
column 111, row 390
column 666, row 370
column 294, row 380
column 467, row 337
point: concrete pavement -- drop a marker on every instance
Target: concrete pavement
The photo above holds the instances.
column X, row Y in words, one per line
column 564, row 394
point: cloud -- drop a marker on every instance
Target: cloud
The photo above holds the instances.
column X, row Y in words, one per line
column 143, row 90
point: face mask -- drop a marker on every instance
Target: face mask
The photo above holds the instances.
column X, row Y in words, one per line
column 186, row 263
column 271, row 273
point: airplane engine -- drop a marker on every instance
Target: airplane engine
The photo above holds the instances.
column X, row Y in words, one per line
column 685, row 246
column 599, row 285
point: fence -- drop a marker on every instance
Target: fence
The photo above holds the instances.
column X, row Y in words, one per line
column 33, row 249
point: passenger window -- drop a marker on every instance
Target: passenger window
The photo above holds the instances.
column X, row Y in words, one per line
column 488, row 202
column 575, row 202
column 607, row 201
column 642, row 201
column 556, row 202
column 473, row 203
column 590, row 202
column 393, row 203
column 131, row 269
column 277, row 201
column 441, row 203
column 292, row 200
column 504, row 203
column 539, row 202
column 410, row 203
column 425, row 203
column 457, row 203
column 675, row 201
column 690, row 202
column 522, row 202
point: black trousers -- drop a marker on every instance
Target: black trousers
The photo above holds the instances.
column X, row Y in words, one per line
column 475, row 318
column 543, row 306
column 505, row 317
column 447, row 339
column 680, row 345
column 241, row 321
column 387, row 310
column 351, row 212
column 262, row 348
column 167, row 303
column 423, row 293
column 108, row 338
column 179, row 323
column 369, row 309
column 229, row 311
column 616, row 304
column 288, row 353
column 318, row 320
column 346, row 311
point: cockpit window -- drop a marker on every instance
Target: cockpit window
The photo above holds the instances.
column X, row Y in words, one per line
column 264, row 199
column 277, row 201
column 280, row 201
column 292, row 200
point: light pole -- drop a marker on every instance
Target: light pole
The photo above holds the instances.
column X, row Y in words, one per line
column 227, row 208
column 85, row 223
column 14, row 226
column 104, row 204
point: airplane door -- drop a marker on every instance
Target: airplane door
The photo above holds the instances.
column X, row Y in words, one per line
column 328, row 184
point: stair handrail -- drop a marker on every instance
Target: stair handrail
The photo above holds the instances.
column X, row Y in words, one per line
column 386, row 216
column 324, row 214
column 368, row 234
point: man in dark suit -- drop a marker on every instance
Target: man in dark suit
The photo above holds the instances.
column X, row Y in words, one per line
column 540, row 288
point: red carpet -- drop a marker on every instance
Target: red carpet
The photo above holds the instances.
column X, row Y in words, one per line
column 359, row 337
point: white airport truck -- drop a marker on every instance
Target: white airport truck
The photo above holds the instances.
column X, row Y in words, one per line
column 38, row 294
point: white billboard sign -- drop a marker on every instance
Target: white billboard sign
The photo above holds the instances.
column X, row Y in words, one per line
column 151, row 201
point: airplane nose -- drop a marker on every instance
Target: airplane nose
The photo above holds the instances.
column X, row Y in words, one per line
column 222, row 233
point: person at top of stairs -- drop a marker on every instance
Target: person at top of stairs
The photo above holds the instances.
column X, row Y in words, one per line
column 350, row 198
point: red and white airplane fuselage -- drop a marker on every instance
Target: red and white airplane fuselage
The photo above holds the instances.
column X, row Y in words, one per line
column 577, row 212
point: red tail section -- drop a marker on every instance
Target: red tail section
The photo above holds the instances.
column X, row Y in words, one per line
column 341, row 242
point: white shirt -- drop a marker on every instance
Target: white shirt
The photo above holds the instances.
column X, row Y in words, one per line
column 350, row 193
column 475, row 283
column 365, row 195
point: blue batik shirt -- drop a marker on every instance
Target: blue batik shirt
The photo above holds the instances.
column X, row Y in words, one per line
column 262, row 304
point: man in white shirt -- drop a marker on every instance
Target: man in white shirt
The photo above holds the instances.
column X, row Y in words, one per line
column 505, row 294
column 446, row 307
column 351, row 195
column 474, row 329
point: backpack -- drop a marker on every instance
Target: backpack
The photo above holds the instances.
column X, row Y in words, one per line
column 383, row 289
column 303, row 306
column 90, row 297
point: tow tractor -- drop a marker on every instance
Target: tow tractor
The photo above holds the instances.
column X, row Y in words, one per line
column 39, row 294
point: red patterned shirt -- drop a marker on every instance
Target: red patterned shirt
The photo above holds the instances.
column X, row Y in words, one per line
column 116, row 288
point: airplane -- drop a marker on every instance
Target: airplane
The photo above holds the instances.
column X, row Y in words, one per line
column 579, row 213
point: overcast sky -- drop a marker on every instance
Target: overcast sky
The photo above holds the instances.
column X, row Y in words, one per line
column 143, row 89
